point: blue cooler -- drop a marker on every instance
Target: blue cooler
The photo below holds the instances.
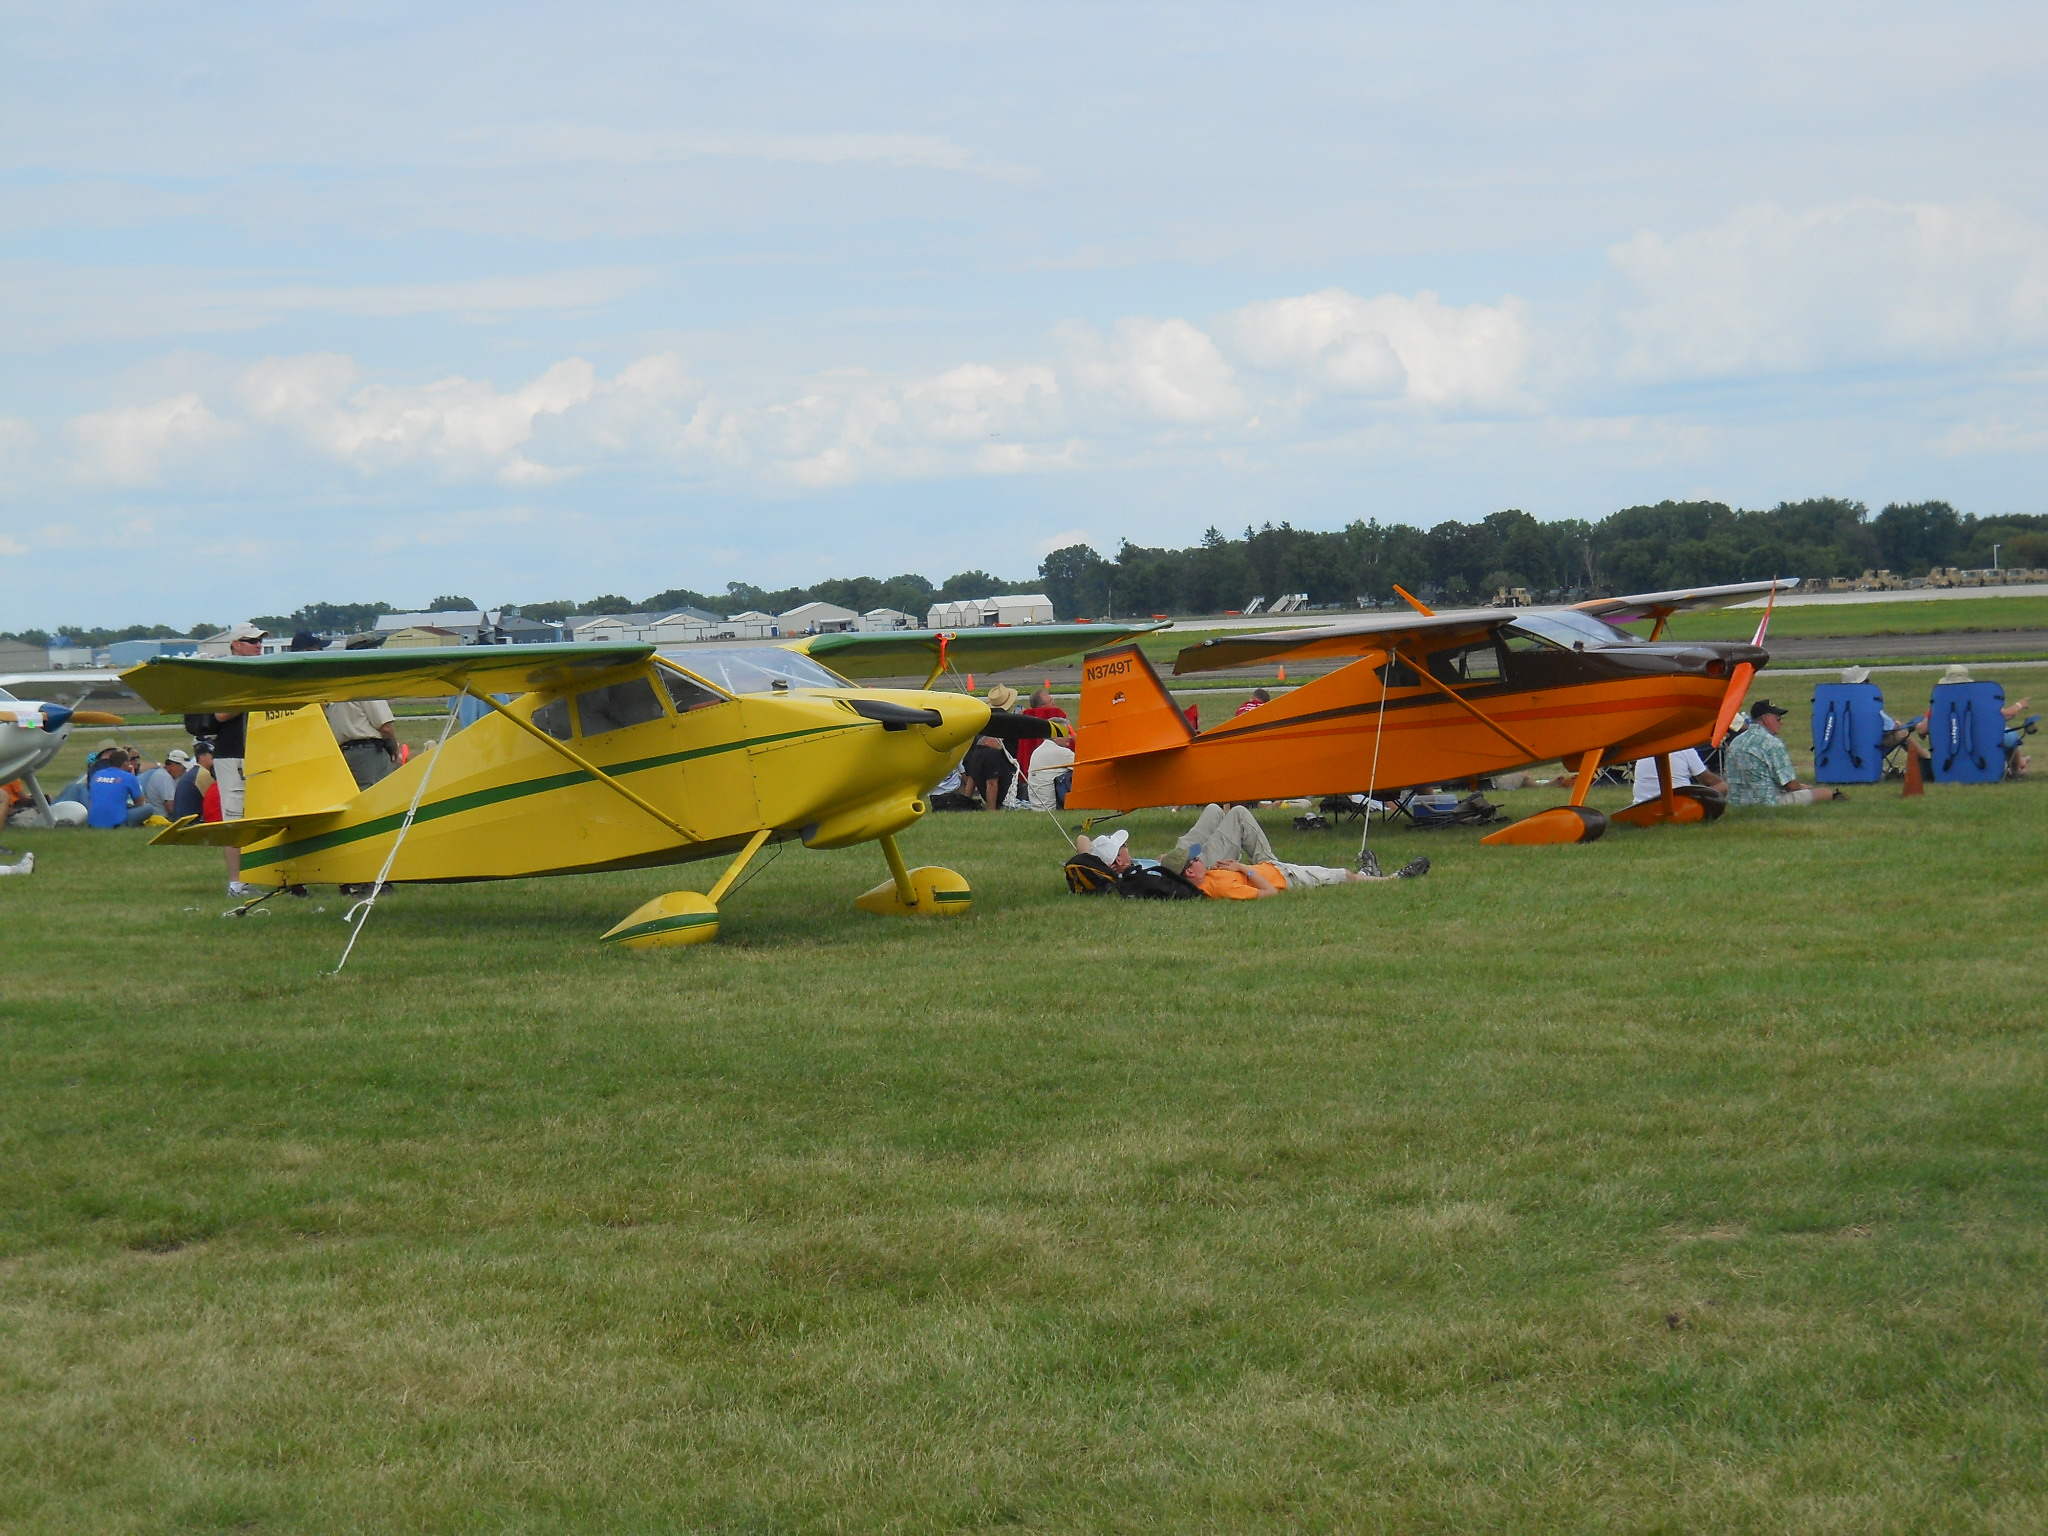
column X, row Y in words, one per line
column 1966, row 732
column 1848, row 729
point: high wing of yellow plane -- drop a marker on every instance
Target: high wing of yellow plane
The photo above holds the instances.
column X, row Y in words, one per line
column 604, row 757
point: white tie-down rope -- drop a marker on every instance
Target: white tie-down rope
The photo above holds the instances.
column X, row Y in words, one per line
column 1373, row 782
column 369, row 903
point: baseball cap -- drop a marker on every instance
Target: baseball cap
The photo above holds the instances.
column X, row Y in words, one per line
column 1109, row 845
column 1763, row 707
column 1176, row 860
column 178, row 755
column 104, row 744
column 247, row 631
column 202, row 749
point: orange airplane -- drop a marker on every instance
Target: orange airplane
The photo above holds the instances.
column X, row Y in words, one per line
column 1430, row 698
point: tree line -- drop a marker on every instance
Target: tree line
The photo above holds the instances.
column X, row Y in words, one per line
column 1638, row 549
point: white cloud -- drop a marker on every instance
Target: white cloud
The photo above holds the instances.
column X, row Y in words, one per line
column 1994, row 436
column 43, row 302
column 1167, row 370
column 135, row 445
column 461, row 424
column 1391, row 346
column 1768, row 291
column 575, row 143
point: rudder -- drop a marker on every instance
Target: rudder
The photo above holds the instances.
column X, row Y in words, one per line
column 1125, row 709
column 294, row 766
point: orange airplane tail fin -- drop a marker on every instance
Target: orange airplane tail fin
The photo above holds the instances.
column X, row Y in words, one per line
column 1125, row 709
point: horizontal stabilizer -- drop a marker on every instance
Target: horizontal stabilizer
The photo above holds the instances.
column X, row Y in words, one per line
column 194, row 833
column 916, row 652
column 184, row 684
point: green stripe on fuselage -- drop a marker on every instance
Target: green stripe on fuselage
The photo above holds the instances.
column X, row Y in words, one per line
column 456, row 805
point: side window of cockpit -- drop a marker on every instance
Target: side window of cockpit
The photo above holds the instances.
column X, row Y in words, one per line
column 1478, row 663
column 632, row 702
column 553, row 718
column 1397, row 674
column 688, row 694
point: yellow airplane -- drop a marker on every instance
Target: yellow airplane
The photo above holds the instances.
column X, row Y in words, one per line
column 601, row 757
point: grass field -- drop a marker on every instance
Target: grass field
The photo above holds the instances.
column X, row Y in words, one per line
column 1689, row 1181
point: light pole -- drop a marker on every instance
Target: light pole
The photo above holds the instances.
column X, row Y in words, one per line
column 1994, row 555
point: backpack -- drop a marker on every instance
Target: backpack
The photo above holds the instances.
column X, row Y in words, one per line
column 1141, row 884
column 1089, row 876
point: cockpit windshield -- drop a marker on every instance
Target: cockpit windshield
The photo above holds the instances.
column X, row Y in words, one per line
column 752, row 669
column 1572, row 631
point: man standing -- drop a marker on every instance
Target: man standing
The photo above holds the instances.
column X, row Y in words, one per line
column 369, row 739
column 230, row 743
column 1760, row 767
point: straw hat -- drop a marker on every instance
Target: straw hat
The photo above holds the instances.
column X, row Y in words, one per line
column 1855, row 674
column 1957, row 674
column 1002, row 696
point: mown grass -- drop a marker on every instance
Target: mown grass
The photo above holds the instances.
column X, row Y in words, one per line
column 1692, row 1180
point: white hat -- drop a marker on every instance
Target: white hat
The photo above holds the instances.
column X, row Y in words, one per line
column 178, row 755
column 1855, row 674
column 1957, row 674
column 247, row 631
column 1109, row 845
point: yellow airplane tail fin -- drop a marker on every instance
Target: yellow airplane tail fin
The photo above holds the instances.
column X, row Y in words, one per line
column 294, row 766
column 1125, row 709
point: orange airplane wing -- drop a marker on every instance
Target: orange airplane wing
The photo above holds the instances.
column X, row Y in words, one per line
column 1354, row 638
column 1661, row 605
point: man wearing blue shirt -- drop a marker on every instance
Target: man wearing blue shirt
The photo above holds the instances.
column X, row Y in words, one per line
column 113, row 794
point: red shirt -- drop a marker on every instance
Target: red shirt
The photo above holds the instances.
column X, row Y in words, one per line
column 1027, row 747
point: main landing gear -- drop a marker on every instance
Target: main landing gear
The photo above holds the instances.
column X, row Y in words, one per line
column 691, row 917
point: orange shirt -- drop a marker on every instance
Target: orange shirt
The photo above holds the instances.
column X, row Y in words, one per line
column 1229, row 885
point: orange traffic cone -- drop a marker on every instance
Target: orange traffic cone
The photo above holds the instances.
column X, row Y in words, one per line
column 1913, row 784
column 970, row 682
column 1283, row 674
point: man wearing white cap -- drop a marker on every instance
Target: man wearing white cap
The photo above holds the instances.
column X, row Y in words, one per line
column 160, row 784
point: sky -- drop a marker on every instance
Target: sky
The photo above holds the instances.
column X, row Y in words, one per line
column 365, row 302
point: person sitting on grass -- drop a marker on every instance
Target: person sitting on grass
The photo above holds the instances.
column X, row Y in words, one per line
column 1760, row 767
column 1227, row 855
column 115, row 794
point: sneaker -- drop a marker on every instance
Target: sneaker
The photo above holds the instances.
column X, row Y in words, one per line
column 1411, row 869
column 1369, row 864
column 242, row 891
column 297, row 890
column 25, row 865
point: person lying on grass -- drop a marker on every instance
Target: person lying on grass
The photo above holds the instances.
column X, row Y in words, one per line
column 1226, row 855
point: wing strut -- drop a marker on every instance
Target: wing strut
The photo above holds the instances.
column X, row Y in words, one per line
column 1468, row 706
column 585, row 764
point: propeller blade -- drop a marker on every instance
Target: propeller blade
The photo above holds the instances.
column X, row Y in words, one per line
column 1764, row 626
column 1738, row 685
column 96, row 717
column 1008, row 727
